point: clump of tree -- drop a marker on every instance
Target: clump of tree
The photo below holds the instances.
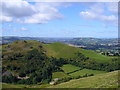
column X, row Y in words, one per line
column 85, row 62
column 9, row 79
column 35, row 64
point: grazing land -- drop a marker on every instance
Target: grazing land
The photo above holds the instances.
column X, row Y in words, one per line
column 86, row 71
column 59, row 75
column 106, row 80
column 61, row 50
column 67, row 68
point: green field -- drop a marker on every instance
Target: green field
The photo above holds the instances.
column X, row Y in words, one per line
column 62, row 50
column 4, row 85
column 77, row 71
column 106, row 80
column 59, row 75
column 86, row 71
column 71, row 71
column 67, row 68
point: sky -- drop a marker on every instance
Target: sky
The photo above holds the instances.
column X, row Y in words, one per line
column 60, row 19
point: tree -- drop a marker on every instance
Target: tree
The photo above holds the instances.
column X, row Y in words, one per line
column 22, row 75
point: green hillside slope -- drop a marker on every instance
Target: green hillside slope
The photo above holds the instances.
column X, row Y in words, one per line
column 68, row 68
column 58, row 50
column 107, row 80
column 62, row 50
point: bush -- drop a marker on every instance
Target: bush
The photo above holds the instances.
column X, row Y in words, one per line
column 76, row 77
column 85, row 75
column 9, row 79
column 91, row 74
column 46, row 81
column 22, row 75
column 64, row 80
column 21, row 81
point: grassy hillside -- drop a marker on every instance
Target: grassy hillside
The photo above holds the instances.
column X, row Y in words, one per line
column 73, row 71
column 67, row 68
column 59, row 75
column 86, row 71
column 62, row 50
column 108, row 80
column 58, row 50
column 5, row 85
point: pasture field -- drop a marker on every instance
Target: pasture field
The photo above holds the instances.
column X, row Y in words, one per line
column 4, row 85
column 60, row 50
column 59, row 75
column 86, row 71
column 67, row 68
column 105, row 80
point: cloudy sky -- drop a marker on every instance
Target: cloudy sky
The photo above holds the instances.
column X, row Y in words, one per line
column 35, row 19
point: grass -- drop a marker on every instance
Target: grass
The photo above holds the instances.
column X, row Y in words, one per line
column 4, row 85
column 59, row 75
column 86, row 71
column 67, row 68
column 58, row 50
column 106, row 80
column 62, row 50
column 71, row 70
column 0, row 86
column 19, row 46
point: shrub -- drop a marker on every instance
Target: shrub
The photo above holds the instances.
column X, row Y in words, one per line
column 76, row 77
column 22, row 74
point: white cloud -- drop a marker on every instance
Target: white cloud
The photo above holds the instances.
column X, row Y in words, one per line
column 99, row 12
column 17, row 9
column 88, row 15
column 24, row 12
column 45, row 13
column 95, row 16
column 5, row 19
column 23, row 28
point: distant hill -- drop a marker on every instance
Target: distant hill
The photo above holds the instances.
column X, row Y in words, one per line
column 10, row 39
column 94, row 40
column 82, row 40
